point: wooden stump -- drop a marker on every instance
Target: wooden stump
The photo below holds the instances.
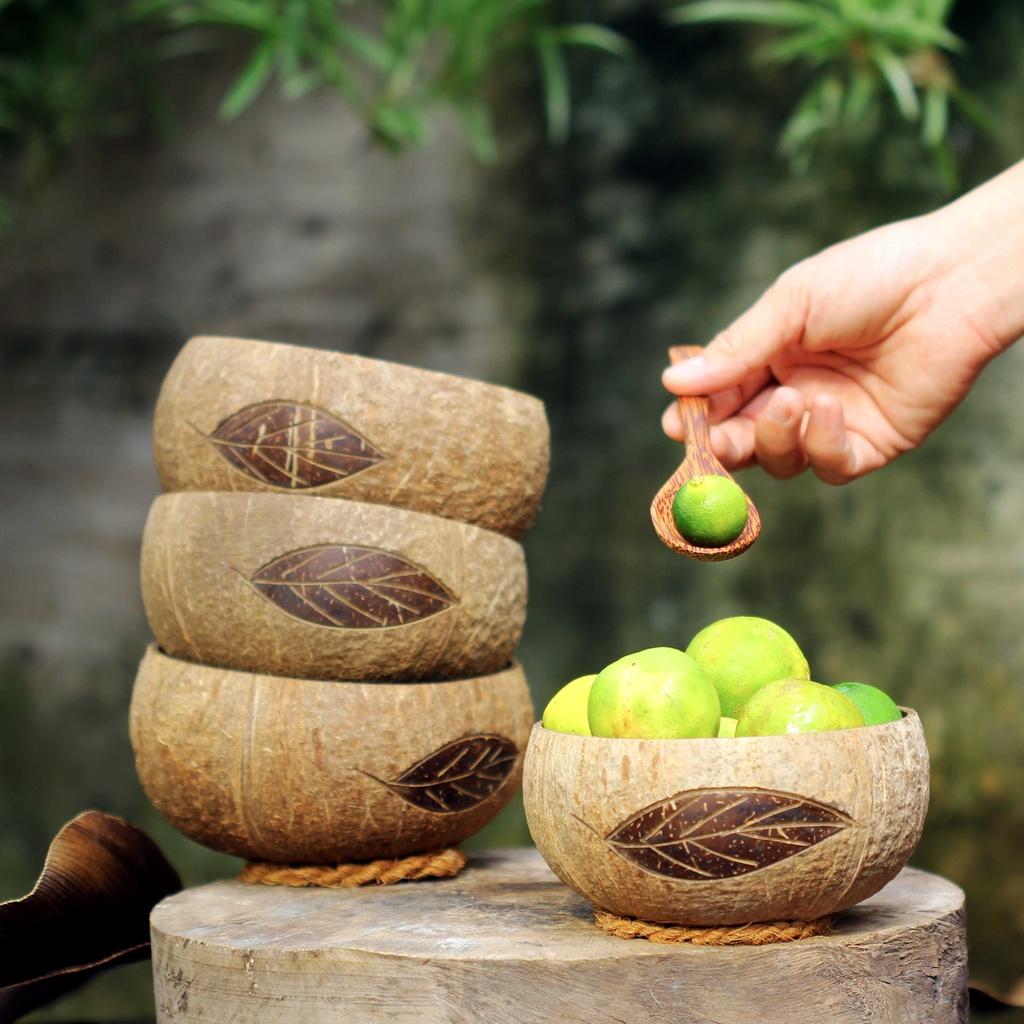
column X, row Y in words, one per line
column 504, row 942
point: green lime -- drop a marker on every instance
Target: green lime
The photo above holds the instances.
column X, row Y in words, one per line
column 567, row 710
column 875, row 705
column 660, row 693
column 710, row 511
column 743, row 653
column 797, row 705
column 727, row 728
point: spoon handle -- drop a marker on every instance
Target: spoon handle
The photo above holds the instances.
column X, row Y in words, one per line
column 693, row 409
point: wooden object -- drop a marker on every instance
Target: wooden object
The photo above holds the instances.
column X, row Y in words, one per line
column 324, row 588
column 504, row 942
column 443, row 863
column 311, row 772
column 88, row 910
column 728, row 831
column 759, row 933
column 237, row 415
column 700, row 460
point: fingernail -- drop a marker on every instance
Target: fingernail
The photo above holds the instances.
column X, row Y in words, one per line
column 687, row 373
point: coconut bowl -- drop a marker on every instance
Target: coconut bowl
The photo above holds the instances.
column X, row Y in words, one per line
column 236, row 415
column 329, row 589
column 728, row 831
column 306, row 771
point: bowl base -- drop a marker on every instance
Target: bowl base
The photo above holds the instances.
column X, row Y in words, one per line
column 765, row 933
column 446, row 863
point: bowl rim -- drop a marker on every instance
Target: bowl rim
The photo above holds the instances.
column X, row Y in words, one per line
column 439, row 377
column 154, row 652
column 907, row 717
column 196, row 497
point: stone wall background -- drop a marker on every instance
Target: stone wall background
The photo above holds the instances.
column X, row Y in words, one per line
column 564, row 272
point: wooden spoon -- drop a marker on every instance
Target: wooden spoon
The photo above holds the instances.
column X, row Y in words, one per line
column 699, row 461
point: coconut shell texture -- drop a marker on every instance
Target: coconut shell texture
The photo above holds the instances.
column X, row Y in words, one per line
column 324, row 588
column 237, row 415
column 728, row 831
column 303, row 771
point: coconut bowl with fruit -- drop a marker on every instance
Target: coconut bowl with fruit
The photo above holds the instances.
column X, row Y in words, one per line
column 659, row 813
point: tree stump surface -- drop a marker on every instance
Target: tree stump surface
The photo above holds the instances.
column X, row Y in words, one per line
column 506, row 942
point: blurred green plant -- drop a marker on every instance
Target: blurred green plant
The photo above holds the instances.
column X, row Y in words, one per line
column 394, row 62
column 71, row 69
column 861, row 55
column 61, row 64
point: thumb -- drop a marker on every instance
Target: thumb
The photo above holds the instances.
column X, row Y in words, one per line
column 746, row 346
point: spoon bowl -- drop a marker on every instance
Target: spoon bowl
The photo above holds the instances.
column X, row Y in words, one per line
column 699, row 461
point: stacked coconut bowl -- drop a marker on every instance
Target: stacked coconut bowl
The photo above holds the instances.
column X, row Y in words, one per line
column 336, row 593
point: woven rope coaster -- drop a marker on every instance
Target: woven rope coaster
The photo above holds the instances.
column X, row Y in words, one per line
column 735, row 935
column 438, row 864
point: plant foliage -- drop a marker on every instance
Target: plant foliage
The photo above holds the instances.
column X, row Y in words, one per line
column 862, row 55
column 394, row 62
column 66, row 66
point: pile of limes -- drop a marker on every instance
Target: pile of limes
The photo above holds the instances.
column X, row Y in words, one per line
column 741, row 676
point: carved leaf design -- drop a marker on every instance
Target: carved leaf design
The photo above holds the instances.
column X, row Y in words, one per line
column 293, row 445
column 345, row 586
column 459, row 776
column 703, row 834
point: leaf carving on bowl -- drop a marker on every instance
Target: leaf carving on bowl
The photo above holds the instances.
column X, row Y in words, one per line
column 706, row 834
column 293, row 445
column 458, row 776
column 347, row 586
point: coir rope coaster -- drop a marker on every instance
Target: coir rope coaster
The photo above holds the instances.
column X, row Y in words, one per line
column 438, row 864
column 735, row 935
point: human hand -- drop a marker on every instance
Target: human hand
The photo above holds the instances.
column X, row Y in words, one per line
column 856, row 355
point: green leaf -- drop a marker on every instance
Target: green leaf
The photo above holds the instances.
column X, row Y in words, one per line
column 917, row 32
column 802, row 126
column 860, row 94
column 375, row 53
column 935, row 119
column 937, row 10
column 895, row 73
column 781, row 13
column 334, row 72
column 945, row 166
column 596, row 37
column 250, row 83
column 300, row 83
column 814, row 45
column 555, row 78
column 257, row 17
column 816, row 111
column 399, row 127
